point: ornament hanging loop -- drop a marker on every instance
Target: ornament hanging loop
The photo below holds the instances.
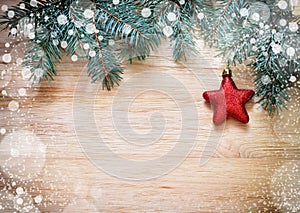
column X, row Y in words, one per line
column 227, row 71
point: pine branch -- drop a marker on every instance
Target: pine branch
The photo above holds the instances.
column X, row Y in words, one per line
column 179, row 20
column 79, row 36
column 130, row 27
column 106, row 33
column 109, row 70
column 218, row 29
column 33, row 13
column 39, row 58
column 224, row 19
column 271, row 81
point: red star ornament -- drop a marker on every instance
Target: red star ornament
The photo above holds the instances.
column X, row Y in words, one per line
column 229, row 101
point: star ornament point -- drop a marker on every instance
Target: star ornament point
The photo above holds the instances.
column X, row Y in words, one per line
column 229, row 101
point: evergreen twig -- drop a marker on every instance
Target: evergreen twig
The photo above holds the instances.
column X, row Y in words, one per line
column 228, row 25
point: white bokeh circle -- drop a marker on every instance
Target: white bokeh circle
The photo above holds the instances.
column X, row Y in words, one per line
column 22, row 153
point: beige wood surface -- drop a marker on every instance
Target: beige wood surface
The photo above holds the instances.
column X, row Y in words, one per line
column 254, row 168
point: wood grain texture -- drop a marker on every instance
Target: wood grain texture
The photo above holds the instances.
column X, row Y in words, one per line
column 243, row 175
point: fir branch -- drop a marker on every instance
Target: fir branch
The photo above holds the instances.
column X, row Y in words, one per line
column 109, row 70
column 271, row 80
column 76, row 40
column 218, row 27
column 184, row 43
column 182, row 38
column 221, row 25
column 115, row 24
column 30, row 12
column 130, row 27
column 40, row 61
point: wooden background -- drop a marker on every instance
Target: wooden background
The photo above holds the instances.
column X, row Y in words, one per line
column 254, row 168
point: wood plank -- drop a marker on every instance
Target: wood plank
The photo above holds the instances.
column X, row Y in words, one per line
column 238, row 168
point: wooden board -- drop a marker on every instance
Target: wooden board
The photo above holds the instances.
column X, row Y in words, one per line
column 232, row 168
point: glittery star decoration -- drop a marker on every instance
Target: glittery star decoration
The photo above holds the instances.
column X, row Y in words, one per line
column 229, row 101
